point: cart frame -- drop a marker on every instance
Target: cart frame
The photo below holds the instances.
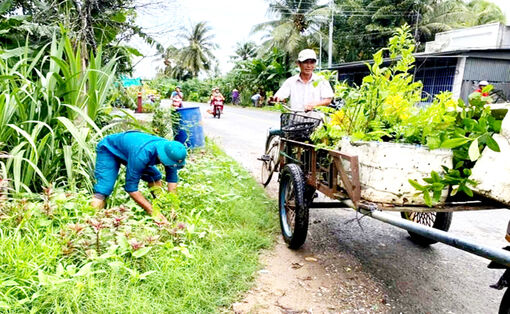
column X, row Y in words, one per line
column 347, row 192
column 325, row 180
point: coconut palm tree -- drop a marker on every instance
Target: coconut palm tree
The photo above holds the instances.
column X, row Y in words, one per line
column 483, row 12
column 441, row 16
column 445, row 15
column 245, row 51
column 197, row 55
column 173, row 67
column 295, row 20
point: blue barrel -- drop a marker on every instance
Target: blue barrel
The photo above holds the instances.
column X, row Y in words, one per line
column 190, row 131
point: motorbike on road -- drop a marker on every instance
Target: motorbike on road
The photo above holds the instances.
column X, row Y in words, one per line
column 217, row 107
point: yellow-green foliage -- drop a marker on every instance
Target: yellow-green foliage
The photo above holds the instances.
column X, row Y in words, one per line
column 385, row 108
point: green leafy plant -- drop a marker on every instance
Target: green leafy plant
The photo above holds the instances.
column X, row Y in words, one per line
column 165, row 122
column 472, row 131
column 384, row 108
column 385, row 99
column 49, row 103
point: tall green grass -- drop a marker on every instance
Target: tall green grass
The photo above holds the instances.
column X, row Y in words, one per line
column 48, row 103
column 202, row 263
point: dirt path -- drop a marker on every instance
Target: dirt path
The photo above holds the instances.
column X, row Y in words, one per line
column 309, row 280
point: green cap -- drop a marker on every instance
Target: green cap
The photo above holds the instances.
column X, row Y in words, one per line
column 171, row 153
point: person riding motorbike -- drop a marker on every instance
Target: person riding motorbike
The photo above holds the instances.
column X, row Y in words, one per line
column 216, row 99
column 177, row 97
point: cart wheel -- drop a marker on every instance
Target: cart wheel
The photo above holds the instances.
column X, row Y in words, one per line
column 504, row 307
column 309, row 195
column 435, row 220
column 292, row 206
column 270, row 159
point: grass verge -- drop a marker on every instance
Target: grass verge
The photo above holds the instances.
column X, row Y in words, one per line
column 57, row 255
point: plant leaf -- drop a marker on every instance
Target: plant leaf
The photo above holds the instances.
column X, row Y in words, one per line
column 141, row 252
column 454, row 142
column 492, row 144
column 474, row 152
column 416, row 185
column 85, row 270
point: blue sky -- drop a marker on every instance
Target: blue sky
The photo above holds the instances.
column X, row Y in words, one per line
column 231, row 21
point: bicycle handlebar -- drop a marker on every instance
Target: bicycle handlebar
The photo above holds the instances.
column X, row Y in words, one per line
column 334, row 105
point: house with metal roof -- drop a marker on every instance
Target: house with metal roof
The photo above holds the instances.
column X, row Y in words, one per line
column 455, row 61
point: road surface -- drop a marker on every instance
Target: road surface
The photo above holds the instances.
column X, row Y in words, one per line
column 436, row 279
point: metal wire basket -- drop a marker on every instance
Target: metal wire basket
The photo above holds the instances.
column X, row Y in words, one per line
column 297, row 127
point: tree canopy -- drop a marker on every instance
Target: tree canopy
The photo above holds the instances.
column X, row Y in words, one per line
column 93, row 23
column 363, row 26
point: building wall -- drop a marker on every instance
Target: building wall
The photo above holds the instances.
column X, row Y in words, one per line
column 459, row 75
column 487, row 69
column 488, row 36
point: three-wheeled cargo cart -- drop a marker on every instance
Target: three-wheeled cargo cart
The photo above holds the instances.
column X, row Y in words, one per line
column 304, row 169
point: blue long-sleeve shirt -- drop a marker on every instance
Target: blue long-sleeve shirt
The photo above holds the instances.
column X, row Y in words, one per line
column 137, row 151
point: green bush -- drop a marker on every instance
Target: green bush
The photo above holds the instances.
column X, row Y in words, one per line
column 48, row 107
column 121, row 98
column 164, row 85
column 246, row 99
column 165, row 122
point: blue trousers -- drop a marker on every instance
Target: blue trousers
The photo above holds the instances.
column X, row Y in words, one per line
column 107, row 171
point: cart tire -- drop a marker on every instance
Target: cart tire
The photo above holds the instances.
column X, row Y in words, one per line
column 436, row 220
column 309, row 195
column 269, row 166
column 293, row 210
column 504, row 307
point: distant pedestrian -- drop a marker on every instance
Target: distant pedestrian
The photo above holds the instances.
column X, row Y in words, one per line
column 235, row 97
column 255, row 99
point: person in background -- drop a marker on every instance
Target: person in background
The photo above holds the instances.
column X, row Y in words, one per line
column 235, row 97
column 139, row 152
column 177, row 97
column 255, row 99
column 216, row 98
column 306, row 89
column 481, row 86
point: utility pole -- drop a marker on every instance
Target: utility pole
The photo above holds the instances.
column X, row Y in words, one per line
column 330, row 40
column 320, row 51
column 416, row 27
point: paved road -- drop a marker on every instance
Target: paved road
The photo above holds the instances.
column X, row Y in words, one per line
column 438, row 279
